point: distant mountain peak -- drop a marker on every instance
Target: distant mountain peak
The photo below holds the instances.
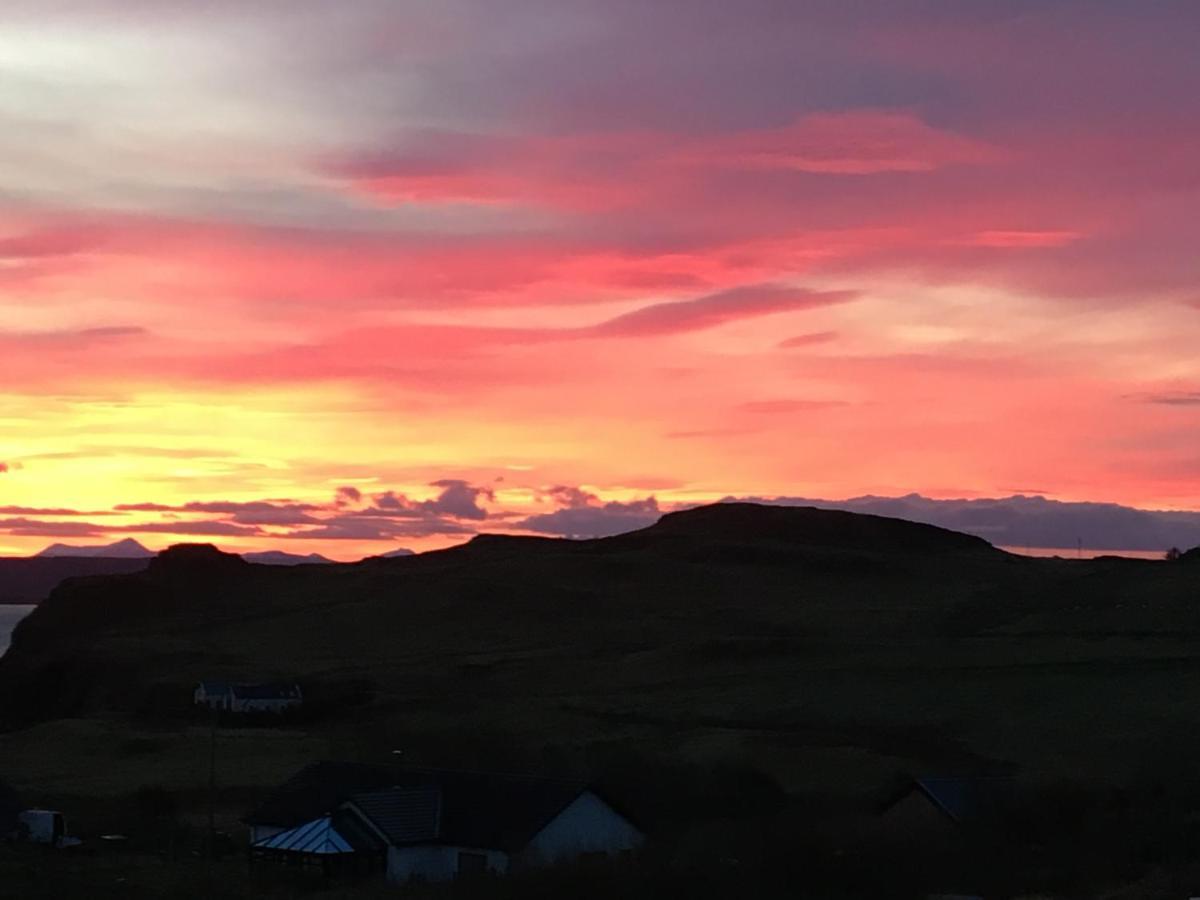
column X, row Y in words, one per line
column 283, row 558
column 127, row 548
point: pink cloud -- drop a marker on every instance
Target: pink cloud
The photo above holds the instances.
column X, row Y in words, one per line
column 603, row 171
column 50, row 242
column 716, row 309
column 583, row 515
column 49, row 511
column 584, row 172
column 785, row 407
column 859, row 142
column 1003, row 239
column 807, row 340
column 27, row 527
column 574, row 279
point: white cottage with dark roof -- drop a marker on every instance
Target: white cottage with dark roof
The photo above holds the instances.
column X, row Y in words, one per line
column 248, row 698
column 439, row 825
column 213, row 694
column 433, row 825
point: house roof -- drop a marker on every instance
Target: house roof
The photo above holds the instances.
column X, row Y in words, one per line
column 215, row 687
column 317, row 837
column 405, row 815
column 966, row 801
column 266, row 691
column 467, row 809
column 317, row 790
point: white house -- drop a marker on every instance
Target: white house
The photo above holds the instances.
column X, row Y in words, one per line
column 274, row 698
column 439, row 825
column 319, row 845
column 213, row 694
column 315, row 791
column 247, row 698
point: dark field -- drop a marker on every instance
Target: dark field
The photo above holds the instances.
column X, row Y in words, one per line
column 823, row 653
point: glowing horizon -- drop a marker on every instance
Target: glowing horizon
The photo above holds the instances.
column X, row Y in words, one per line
column 480, row 271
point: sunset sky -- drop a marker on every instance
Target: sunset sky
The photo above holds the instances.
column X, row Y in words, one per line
column 345, row 277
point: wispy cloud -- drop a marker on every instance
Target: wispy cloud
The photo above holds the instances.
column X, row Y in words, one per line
column 807, row 340
column 716, row 309
column 1168, row 398
column 401, row 251
column 52, row 511
column 456, row 509
column 784, row 406
column 581, row 514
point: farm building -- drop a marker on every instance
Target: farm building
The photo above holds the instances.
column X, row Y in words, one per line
column 265, row 697
column 433, row 825
column 213, row 694
column 942, row 811
column 313, row 792
column 248, row 698
column 438, row 825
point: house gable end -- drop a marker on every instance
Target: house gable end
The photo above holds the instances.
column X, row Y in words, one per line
column 586, row 825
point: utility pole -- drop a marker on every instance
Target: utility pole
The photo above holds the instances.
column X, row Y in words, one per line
column 210, row 854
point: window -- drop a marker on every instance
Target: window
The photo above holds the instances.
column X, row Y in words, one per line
column 472, row 863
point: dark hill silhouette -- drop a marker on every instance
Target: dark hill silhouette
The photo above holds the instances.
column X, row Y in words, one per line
column 1031, row 520
column 813, row 527
column 31, row 579
column 199, row 560
column 856, row 638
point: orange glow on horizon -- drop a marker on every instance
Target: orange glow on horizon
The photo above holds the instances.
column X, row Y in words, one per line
column 397, row 295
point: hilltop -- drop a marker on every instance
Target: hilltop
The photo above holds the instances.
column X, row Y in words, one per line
column 822, row 644
column 812, row 527
column 124, row 549
column 29, row 579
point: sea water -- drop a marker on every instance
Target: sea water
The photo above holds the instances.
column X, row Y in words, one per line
column 10, row 615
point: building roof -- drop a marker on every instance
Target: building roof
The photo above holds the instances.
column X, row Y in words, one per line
column 405, row 815
column 965, row 801
column 266, row 691
column 317, row 837
column 215, row 687
column 466, row 809
column 317, row 790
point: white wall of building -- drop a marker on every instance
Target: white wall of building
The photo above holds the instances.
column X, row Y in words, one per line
column 215, row 701
column 435, row 863
column 588, row 825
column 43, row 826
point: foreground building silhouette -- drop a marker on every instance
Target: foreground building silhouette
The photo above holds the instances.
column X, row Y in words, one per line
column 434, row 825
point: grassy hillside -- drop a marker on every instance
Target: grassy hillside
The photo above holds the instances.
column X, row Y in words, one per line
column 828, row 649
